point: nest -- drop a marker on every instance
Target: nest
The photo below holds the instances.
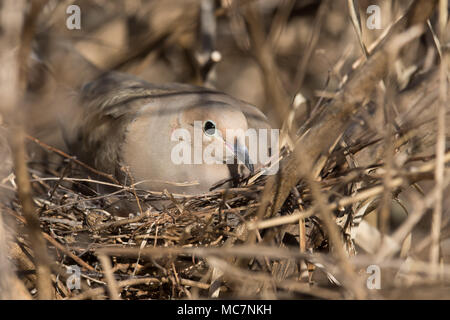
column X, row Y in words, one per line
column 82, row 221
column 350, row 196
column 155, row 242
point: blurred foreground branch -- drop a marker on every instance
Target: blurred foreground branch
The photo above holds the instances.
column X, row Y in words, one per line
column 18, row 32
column 318, row 142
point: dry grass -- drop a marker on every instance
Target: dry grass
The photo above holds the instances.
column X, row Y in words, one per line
column 364, row 171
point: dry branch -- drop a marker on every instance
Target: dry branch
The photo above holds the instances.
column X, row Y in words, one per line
column 318, row 143
column 16, row 134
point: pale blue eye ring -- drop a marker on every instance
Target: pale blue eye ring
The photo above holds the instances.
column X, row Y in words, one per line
column 209, row 128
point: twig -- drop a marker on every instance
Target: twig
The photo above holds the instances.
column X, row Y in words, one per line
column 414, row 217
column 10, row 286
column 74, row 159
column 440, row 143
column 112, row 284
column 345, row 201
column 92, row 293
column 261, row 50
column 312, row 44
column 318, row 142
column 57, row 245
column 11, row 27
column 356, row 21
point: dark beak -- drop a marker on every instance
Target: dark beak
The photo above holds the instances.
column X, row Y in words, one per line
column 241, row 153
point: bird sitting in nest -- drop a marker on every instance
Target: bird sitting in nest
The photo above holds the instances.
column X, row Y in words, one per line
column 155, row 136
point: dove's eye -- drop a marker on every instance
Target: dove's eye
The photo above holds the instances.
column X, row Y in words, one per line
column 209, row 128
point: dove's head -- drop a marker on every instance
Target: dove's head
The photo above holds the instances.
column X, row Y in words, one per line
column 222, row 128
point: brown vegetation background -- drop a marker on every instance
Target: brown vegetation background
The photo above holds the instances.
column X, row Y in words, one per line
column 364, row 177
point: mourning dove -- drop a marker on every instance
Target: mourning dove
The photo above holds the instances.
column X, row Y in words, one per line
column 121, row 121
column 138, row 131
